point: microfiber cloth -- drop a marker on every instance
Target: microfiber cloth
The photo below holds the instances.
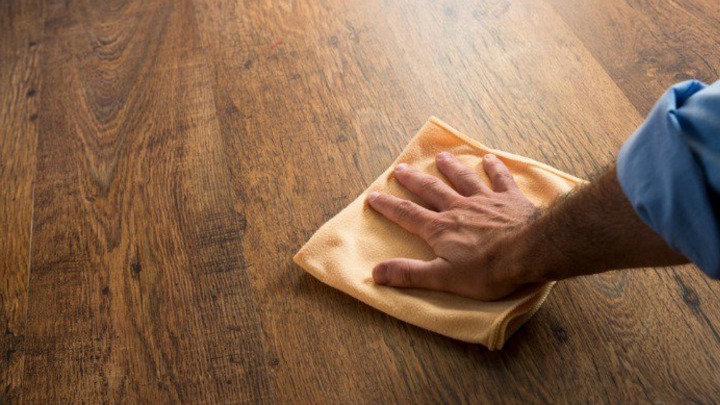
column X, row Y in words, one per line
column 343, row 252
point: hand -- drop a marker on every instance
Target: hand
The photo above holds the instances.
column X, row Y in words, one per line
column 468, row 229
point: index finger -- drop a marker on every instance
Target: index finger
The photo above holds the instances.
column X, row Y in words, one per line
column 407, row 214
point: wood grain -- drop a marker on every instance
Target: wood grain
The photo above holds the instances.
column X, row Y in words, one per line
column 647, row 46
column 488, row 48
column 139, row 290
column 21, row 24
column 182, row 151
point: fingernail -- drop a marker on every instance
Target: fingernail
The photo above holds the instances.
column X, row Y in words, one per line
column 490, row 156
column 380, row 274
column 401, row 167
column 372, row 196
column 443, row 155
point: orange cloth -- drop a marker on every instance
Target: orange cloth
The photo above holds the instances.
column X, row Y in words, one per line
column 343, row 252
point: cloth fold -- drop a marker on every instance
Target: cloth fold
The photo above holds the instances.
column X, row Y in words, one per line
column 343, row 252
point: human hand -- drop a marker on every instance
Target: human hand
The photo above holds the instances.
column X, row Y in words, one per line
column 468, row 229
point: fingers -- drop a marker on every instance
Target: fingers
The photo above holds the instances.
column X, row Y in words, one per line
column 407, row 214
column 411, row 273
column 466, row 180
column 500, row 177
column 429, row 188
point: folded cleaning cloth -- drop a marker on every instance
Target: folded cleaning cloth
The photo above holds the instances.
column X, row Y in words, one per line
column 343, row 252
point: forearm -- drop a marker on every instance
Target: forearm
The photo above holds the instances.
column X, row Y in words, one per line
column 488, row 241
column 591, row 230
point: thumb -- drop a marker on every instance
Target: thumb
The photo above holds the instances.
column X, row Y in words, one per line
column 411, row 273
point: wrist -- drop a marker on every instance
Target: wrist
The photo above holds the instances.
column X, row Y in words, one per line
column 523, row 263
column 527, row 256
column 509, row 261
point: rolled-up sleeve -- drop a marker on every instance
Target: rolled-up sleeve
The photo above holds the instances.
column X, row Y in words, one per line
column 670, row 171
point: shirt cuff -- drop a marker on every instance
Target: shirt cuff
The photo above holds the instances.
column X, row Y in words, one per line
column 668, row 168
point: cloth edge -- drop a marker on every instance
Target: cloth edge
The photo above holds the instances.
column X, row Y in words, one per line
column 497, row 335
column 511, row 156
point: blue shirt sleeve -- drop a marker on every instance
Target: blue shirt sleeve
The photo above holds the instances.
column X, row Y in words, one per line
column 670, row 171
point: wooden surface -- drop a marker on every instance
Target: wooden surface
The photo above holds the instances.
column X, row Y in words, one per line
column 161, row 161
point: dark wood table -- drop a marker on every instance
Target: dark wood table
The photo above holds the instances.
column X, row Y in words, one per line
column 161, row 161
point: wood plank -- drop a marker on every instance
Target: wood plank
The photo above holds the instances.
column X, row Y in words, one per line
column 317, row 99
column 139, row 291
column 20, row 32
column 647, row 46
column 186, row 149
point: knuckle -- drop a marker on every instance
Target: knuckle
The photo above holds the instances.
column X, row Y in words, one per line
column 502, row 176
column 437, row 225
column 429, row 182
column 457, row 203
column 453, row 217
column 466, row 174
column 440, row 225
column 405, row 276
column 404, row 209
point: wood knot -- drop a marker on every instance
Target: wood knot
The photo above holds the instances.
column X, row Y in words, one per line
column 559, row 333
column 135, row 269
